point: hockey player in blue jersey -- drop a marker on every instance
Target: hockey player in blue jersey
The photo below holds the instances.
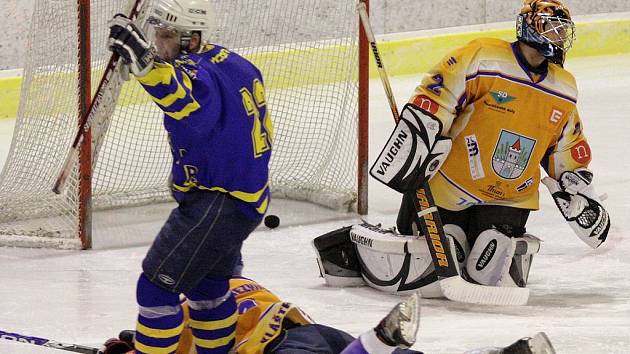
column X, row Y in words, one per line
column 220, row 134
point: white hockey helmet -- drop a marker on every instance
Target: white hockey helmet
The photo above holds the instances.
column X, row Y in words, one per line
column 183, row 16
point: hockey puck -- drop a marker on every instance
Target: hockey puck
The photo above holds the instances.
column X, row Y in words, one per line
column 272, row 221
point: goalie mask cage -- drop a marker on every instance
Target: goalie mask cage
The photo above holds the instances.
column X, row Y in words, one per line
column 313, row 63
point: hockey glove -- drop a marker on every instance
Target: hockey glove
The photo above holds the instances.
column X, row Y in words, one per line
column 580, row 206
column 126, row 39
column 115, row 346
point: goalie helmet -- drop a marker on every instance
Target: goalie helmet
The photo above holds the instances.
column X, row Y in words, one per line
column 185, row 17
column 546, row 25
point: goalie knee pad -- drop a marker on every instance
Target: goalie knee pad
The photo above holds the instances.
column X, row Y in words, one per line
column 462, row 249
column 498, row 260
column 337, row 258
column 526, row 247
column 490, row 258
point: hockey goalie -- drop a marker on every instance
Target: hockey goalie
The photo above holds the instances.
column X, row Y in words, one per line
column 479, row 127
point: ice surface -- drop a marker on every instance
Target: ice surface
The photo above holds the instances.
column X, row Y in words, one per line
column 580, row 297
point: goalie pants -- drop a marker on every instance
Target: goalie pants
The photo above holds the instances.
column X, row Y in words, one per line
column 473, row 220
column 201, row 238
column 315, row 338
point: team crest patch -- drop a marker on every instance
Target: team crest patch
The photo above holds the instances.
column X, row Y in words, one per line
column 511, row 154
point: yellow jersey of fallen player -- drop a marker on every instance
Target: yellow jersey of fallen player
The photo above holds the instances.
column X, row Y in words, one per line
column 505, row 122
column 261, row 317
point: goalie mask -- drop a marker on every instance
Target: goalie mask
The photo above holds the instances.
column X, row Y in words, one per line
column 187, row 22
column 546, row 25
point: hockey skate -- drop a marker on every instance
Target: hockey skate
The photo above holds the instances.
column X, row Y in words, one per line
column 538, row 344
column 399, row 327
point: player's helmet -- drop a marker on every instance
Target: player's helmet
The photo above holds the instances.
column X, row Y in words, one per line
column 183, row 16
column 546, row 25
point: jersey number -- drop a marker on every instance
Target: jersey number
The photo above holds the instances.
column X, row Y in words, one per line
column 262, row 132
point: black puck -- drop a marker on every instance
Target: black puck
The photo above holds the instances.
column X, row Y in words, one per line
column 272, row 221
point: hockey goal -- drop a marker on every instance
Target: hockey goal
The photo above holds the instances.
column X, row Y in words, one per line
column 311, row 58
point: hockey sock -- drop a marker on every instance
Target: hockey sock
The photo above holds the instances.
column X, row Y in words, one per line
column 160, row 321
column 212, row 316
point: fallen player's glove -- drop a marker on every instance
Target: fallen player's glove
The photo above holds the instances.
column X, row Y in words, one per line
column 580, row 206
column 115, row 346
column 126, row 39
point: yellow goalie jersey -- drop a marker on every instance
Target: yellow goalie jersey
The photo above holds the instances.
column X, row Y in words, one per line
column 505, row 122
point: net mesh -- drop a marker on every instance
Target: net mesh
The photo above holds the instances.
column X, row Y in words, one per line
column 307, row 52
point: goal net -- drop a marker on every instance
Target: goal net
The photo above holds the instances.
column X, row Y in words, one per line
column 306, row 50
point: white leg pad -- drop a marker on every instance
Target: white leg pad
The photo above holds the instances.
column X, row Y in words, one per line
column 490, row 259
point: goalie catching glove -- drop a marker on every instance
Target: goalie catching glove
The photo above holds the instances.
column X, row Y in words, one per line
column 414, row 152
column 126, row 39
column 580, row 206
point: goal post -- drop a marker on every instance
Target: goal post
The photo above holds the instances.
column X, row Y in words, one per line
column 315, row 66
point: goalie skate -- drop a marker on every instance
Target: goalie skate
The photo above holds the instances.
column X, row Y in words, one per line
column 400, row 326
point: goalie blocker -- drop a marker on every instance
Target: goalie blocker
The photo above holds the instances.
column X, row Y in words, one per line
column 414, row 152
column 400, row 264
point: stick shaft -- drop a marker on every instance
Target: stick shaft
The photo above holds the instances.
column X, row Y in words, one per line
column 86, row 119
column 365, row 20
column 16, row 337
column 427, row 216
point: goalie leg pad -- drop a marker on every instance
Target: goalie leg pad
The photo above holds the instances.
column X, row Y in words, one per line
column 337, row 258
column 395, row 263
column 490, row 258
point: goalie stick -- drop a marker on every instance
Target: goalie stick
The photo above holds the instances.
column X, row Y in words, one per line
column 47, row 343
column 86, row 119
column 453, row 286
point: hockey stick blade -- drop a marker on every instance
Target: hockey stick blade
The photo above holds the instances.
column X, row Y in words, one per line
column 15, row 337
column 457, row 289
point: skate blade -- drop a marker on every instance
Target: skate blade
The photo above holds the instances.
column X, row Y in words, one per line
column 540, row 344
column 409, row 320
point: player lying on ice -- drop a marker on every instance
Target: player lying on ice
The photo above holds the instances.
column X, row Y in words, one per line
column 267, row 325
column 479, row 126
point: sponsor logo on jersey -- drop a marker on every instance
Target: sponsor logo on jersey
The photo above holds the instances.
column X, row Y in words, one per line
column 581, row 152
column 474, row 157
column 427, row 104
column 512, row 154
column 494, row 191
column 556, row 115
column 486, row 255
column 501, row 97
column 523, row 186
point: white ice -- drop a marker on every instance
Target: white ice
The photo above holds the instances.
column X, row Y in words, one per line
column 579, row 296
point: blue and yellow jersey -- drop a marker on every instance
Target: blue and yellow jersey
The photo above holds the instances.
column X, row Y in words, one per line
column 218, row 123
column 505, row 122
